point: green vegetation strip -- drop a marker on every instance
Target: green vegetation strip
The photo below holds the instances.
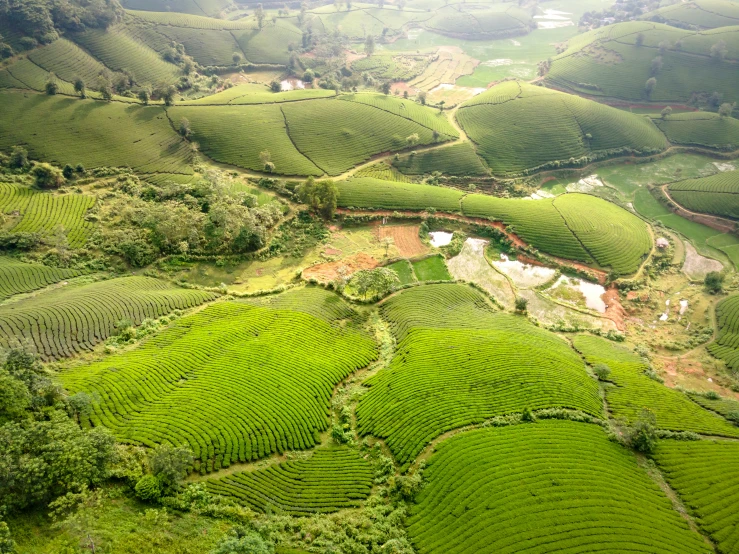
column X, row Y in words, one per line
column 705, row 475
column 633, row 390
column 459, row 363
column 329, row 480
column 236, row 382
column 552, row 486
column 69, row 320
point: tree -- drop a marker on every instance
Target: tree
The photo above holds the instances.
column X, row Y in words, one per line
column 714, row 282
column 167, row 94
column 413, row 139
column 380, row 280
column 656, row 66
column 642, row 436
column 47, row 176
column 242, row 541
column 6, row 51
column 321, row 196
column 726, row 109
column 144, row 95
column 385, row 87
column 664, row 46
column 649, row 86
column 18, row 157
column 640, row 39
column 185, row 127
column 259, row 13
column 105, row 87
column 170, row 465
column 719, row 51
column 666, row 112
column 15, row 400
column 369, row 45
column 521, row 304
column 602, row 371
column 148, row 488
column 236, row 58
column 68, row 171
column 422, row 97
column 52, row 85
column 79, row 87
column 265, row 157
column 441, row 105
column 275, row 86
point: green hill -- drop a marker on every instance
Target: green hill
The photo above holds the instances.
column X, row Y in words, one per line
column 493, row 21
column 518, row 127
column 717, row 194
column 610, row 62
column 196, row 7
column 697, row 14
column 701, row 129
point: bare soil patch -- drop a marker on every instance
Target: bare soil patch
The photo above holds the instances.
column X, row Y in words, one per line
column 348, row 266
column 405, row 237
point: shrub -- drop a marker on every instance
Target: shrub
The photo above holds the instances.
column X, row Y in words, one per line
column 602, row 371
column 68, row 171
column 148, row 489
column 522, row 304
column 47, row 176
column 19, row 157
column 642, row 436
column 714, row 282
column 241, row 541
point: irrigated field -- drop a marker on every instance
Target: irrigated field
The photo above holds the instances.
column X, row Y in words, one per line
column 18, row 277
column 518, row 127
column 717, row 194
column 33, row 211
column 634, row 391
column 329, row 480
column 69, row 320
column 458, row 363
column 551, row 486
column 726, row 345
column 236, row 382
column 92, row 133
column 705, row 475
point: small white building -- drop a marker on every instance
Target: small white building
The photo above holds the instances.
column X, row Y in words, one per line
column 662, row 242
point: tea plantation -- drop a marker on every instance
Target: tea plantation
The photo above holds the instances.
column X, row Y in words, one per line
column 18, row 277
column 726, row 345
column 708, row 130
column 546, row 487
column 716, row 194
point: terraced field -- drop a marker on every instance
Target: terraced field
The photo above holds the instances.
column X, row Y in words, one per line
column 607, row 62
column 449, row 64
column 701, row 129
column 717, row 194
column 70, row 320
column 92, row 133
column 329, row 480
column 705, row 475
column 553, row 486
column 456, row 159
column 518, row 127
column 236, row 382
column 726, row 345
column 45, row 212
column 454, row 369
column 17, row 277
column 635, row 391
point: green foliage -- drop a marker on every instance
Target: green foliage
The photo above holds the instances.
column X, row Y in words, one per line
column 642, row 435
column 148, row 489
column 566, row 477
column 320, row 196
column 329, row 480
column 379, row 281
column 521, row 304
column 47, row 176
column 602, row 371
column 170, row 465
column 705, row 129
column 18, row 277
column 725, row 345
column 196, row 389
column 432, row 268
column 243, row 541
column 716, row 194
column 18, row 157
column 714, row 282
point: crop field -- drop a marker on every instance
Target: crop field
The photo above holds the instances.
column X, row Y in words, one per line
column 727, row 407
column 726, row 345
column 455, row 159
column 452, row 370
column 707, row 14
column 257, row 94
column 358, row 22
column 497, row 20
column 432, row 268
column 93, row 133
column 635, row 391
column 69, row 320
column 553, row 486
column 68, row 61
column 448, row 65
column 404, row 269
column 368, row 192
column 566, row 130
column 396, row 67
column 259, row 381
column 329, row 480
column 17, row 277
column 24, row 74
column 705, row 475
column 717, row 194
column 701, row 129
column 196, row 7
column 270, row 44
column 45, row 212
column 607, row 62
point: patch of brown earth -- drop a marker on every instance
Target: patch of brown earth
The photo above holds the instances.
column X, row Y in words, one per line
column 405, row 238
column 614, row 310
column 343, row 268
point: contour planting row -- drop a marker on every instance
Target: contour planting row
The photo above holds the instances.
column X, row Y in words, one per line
column 701, row 129
column 452, row 373
column 634, row 391
column 705, row 475
column 234, row 382
column 17, row 277
column 551, row 486
column 329, row 480
column 726, row 345
column 69, row 320
column 717, row 194
column 46, row 212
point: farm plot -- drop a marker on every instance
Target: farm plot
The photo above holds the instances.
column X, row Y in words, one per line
column 727, row 407
column 707, row 14
column 404, row 269
column 449, row 64
column 717, row 194
column 367, row 192
column 634, row 391
column 93, row 133
column 495, row 21
column 705, row 475
column 553, row 486
column 432, row 268
column 18, row 277
column 405, row 238
column 726, row 345
column 701, row 129
column 68, row 61
column 271, row 43
column 235, row 382
column 237, row 135
column 329, row 480
column 257, row 94
column 449, row 373
column 455, row 159
column 24, row 74
column 337, row 135
column 45, row 212
column 560, row 130
column 196, row 7
column 67, row 321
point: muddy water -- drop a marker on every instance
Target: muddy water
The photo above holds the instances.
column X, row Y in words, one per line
column 440, row 238
column 524, row 275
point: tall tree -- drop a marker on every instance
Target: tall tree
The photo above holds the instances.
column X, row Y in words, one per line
column 369, row 45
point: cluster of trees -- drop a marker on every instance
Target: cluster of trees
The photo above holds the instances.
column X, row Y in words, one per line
column 321, row 196
column 43, row 20
column 45, row 175
column 202, row 218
